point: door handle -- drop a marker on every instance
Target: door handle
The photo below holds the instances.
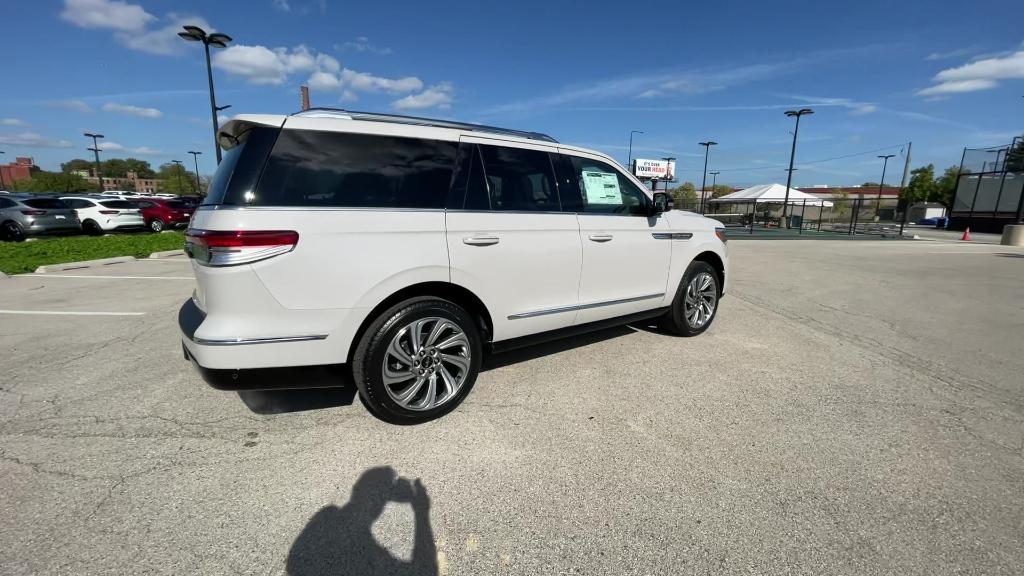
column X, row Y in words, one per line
column 480, row 240
column 601, row 237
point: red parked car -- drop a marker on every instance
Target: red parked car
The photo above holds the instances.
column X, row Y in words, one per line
column 160, row 213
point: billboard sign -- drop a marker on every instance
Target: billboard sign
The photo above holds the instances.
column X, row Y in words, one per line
column 654, row 169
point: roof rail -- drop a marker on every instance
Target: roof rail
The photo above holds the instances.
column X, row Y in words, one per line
column 417, row 121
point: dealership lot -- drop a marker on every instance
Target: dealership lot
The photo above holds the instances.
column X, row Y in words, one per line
column 857, row 408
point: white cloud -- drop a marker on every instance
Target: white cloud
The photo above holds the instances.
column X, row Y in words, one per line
column 437, row 96
column 283, row 5
column 163, row 40
column 71, row 104
column 324, row 81
column 140, row 151
column 983, row 74
column 362, row 44
column 146, row 151
column 13, row 122
column 862, row 109
column 348, row 96
column 364, row 82
column 32, row 140
column 106, row 14
column 132, row 110
column 958, row 53
column 262, row 65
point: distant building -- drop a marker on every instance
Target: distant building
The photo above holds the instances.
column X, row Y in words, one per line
column 132, row 182
column 21, row 169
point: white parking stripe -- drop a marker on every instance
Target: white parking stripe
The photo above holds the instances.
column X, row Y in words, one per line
column 52, row 313
column 105, row 277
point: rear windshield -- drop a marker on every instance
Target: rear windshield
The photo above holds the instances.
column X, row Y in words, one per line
column 176, row 204
column 119, row 204
column 45, row 203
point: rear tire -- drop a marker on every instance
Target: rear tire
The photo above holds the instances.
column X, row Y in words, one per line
column 12, row 231
column 696, row 302
column 417, row 360
column 156, row 225
column 91, row 228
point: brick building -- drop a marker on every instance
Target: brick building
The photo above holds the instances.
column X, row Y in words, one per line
column 21, row 169
column 132, row 182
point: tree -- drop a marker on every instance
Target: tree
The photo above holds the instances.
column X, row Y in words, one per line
column 175, row 179
column 841, row 202
column 945, row 187
column 719, row 190
column 53, row 182
column 140, row 167
column 869, row 185
column 921, row 186
column 114, row 168
column 77, row 165
column 685, row 196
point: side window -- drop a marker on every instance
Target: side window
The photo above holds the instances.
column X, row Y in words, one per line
column 517, row 179
column 312, row 168
column 605, row 190
column 5, row 203
column 145, row 204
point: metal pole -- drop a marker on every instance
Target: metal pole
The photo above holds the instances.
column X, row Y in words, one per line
column 2, row 185
column 853, row 215
column 878, row 202
column 178, row 164
column 789, row 174
column 213, row 100
column 802, row 210
column 195, row 158
column 903, row 188
column 704, row 180
column 753, row 215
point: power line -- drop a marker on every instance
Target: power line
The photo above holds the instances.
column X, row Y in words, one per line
column 777, row 166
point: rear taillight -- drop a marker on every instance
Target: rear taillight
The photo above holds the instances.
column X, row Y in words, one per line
column 33, row 212
column 230, row 248
column 108, row 212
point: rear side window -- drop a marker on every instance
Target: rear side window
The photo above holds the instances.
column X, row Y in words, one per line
column 337, row 169
column 514, row 179
column 5, row 203
column 118, row 204
column 239, row 170
column 45, row 203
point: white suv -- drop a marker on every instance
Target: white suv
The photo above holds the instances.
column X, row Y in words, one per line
column 99, row 214
column 403, row 249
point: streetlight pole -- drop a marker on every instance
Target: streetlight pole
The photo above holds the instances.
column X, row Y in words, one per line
column 96, row 150
column 885, row 162
column 178, row 164
column 792, row 155
column 217, row 40
column 2, row 185
column 703, row 183
column 195, row 158
column 714, row 180
column 629, row 163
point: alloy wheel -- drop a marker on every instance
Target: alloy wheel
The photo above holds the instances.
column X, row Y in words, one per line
column 701, row 299
column 426, row 363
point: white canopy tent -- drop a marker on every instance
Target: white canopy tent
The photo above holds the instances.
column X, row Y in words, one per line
column 770, row 193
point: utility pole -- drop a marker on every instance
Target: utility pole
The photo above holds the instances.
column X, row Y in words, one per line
column 629, row 163
column 2, row 185
column 178, row 164
column 885, row 162
column 96, row 150
column 195, row 158
column 903, row 188
column 704, row 180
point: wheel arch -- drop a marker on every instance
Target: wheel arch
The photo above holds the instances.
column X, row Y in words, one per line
column 445, row 290
column 716, row 262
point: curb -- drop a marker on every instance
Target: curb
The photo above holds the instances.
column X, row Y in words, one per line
column 3, row 276
column 167, row 254
column 84, row 264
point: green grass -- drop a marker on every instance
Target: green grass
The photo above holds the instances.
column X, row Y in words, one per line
column 21, row 257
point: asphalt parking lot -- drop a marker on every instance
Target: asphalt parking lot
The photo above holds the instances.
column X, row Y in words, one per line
column 857, row 408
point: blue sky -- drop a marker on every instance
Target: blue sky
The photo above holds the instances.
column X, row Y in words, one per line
column 941, row 74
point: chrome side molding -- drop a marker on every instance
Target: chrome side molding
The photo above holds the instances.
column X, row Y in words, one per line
column 561, row 309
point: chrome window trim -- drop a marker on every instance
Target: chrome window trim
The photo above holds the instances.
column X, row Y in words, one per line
column 561, row 309
column 246, row 341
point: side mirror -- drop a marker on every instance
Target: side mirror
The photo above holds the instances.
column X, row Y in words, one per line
column 663, row 202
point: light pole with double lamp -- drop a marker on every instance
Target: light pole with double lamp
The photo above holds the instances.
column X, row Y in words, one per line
column 2, row 185
column 714, row 181
column 96, row 150
column 195, row 158
column 878, row 202
column 792, row 155
column 704, row 180
column 217, row 40
column 179, row 169
column 629, row 163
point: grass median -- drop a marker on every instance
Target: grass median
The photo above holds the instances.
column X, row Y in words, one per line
column 21, row 257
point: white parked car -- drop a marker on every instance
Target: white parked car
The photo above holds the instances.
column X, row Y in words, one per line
column 99, row 215
column 404, row 249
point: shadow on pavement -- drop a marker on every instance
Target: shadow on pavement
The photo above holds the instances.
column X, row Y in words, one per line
column 339, row 541
column 499, row 360
column 283, row 401
column 1010, row 254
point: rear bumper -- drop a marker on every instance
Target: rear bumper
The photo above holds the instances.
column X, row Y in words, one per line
column 229, row 366
column 41, row 229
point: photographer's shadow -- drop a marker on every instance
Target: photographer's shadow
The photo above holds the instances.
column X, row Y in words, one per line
column 339, row 541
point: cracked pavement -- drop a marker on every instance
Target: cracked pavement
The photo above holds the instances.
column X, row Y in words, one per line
column 857, row 408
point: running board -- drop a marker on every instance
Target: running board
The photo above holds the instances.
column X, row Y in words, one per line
column 569, row 331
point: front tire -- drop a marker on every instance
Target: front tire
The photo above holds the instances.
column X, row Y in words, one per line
column 417, row 361
column 696, row 302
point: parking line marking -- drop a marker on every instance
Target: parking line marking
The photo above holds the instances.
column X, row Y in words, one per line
column 107, row 277
column 53, row 313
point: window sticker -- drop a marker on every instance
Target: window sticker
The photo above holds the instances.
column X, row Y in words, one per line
column 601, row 188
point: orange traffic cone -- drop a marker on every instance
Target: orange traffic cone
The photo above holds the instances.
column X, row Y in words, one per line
column 967, row 235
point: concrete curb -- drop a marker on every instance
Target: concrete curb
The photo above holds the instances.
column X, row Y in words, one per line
column 3, row 276
column 167, row 254
column 84, row 264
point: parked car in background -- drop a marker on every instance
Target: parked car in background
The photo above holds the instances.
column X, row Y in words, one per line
column 99, row 215
column 192, row 201
column 160, row 213
column 23, row 216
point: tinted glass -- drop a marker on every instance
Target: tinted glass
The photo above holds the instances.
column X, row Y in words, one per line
column 241, row 166
column 5, row 203
column 118, row 204
column 145, row 204
column 602, row 189
column 176, row 204
column 310, row 168
column 518, row 179
column 469, row 190
column 45, row 203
